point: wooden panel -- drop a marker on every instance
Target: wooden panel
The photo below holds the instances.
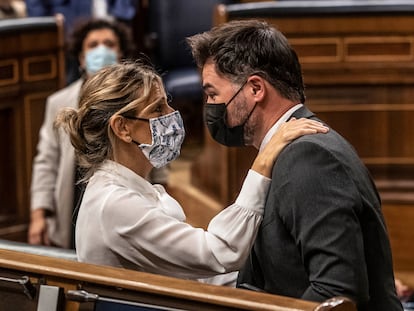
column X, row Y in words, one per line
column 321, row 50
column 9, row 69
column 31, row 68
column 400, row 221
column 39, row 68
column 378, row 49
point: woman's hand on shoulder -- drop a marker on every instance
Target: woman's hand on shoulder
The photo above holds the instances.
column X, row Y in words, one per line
column 287, row 132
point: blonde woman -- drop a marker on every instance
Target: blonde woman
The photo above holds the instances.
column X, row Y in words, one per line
column 55, row 192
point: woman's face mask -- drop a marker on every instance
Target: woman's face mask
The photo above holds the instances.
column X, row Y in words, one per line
column 99, row 57
column 167, row 137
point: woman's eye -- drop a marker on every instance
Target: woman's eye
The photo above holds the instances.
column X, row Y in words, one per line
column 92, row 45
column 109, row 44
column 158, row 109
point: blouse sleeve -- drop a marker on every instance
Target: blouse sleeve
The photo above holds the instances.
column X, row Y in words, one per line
column 158, row 243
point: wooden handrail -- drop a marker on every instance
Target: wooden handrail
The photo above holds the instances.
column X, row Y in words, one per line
column 75, row 275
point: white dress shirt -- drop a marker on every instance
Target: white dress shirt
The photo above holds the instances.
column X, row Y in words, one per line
column 124, row 221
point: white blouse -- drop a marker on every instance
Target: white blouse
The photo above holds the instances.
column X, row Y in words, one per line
column 124, row 221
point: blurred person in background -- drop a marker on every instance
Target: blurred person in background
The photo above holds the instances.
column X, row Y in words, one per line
column 76, row 11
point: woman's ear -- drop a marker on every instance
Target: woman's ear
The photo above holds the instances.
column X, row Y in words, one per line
column 121, row 128
column 256, row 87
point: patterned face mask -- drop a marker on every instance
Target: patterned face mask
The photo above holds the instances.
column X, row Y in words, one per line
column 167, row 136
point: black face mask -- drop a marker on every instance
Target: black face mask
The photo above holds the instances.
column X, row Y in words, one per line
column 215, row 119
column 214, row 116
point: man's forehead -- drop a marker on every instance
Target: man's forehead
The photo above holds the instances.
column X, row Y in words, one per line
column 210, row 76
column 208, row 69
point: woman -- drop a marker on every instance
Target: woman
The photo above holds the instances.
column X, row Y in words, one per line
column 54, row 189
column 123, row 128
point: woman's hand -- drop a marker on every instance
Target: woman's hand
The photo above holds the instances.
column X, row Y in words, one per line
column 403, row 290
column 38, row 228
column 287, row 132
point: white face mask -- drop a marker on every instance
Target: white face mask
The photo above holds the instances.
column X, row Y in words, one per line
column 99, row 57
column 167, row 136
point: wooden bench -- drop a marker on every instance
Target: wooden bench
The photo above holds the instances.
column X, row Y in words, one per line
column 28, row 280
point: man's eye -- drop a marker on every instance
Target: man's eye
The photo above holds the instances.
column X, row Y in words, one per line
column 211, row 96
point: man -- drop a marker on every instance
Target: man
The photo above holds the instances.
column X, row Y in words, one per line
column 54, row 194
column 323, row 233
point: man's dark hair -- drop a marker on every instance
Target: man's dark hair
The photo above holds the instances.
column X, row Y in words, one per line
column 242, row 48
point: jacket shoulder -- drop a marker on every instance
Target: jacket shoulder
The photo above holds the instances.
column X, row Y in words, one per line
column 68, row 96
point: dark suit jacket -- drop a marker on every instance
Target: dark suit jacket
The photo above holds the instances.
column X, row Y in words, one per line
column 323, row 232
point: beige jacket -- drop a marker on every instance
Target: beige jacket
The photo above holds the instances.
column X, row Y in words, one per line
column 53, row 169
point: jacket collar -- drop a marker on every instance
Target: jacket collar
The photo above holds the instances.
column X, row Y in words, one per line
column 302, row 112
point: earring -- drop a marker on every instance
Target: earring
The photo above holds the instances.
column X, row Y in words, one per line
column 129, row 139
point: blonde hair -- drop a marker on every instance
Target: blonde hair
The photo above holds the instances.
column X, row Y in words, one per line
column 115, row 90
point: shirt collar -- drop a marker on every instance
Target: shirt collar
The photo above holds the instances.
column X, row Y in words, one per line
column 276, row 126
column 125, row 176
